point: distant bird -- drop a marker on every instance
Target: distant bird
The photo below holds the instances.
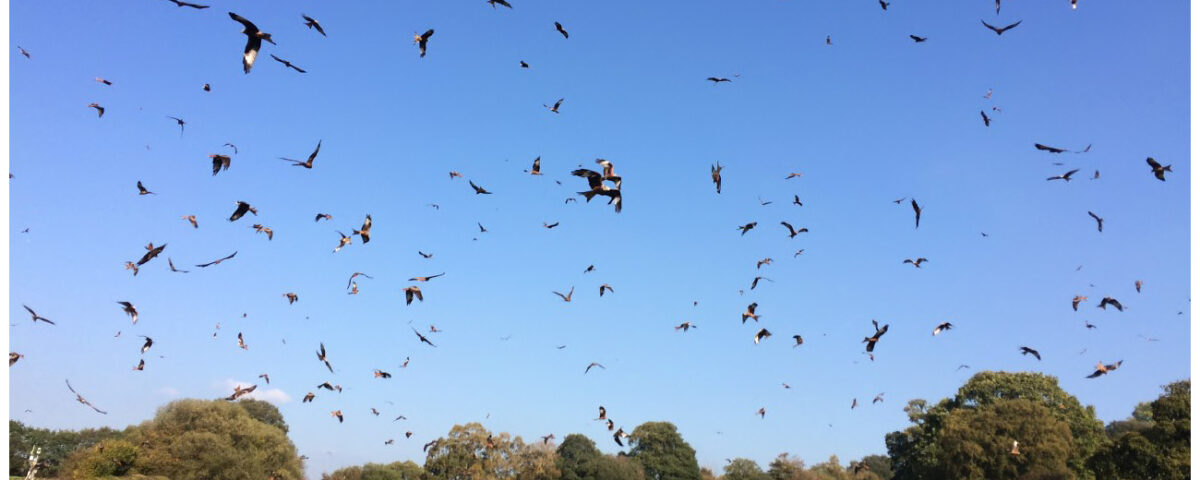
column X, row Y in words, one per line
column 423, row 254
column 101, row 80
column 987, row 122
column 265, row 377
column 308, row 397
column 916, row 263
column 798, row 253
column 242, row 342
column 1074, row 4
column 716, row 175
column 146, row 346
column 410, row 292
column 1102, row 369
column 918, row 39
column 364, row 232
column 79, row 398
column 292, row 297
column 870, row 341
column 917, row 211
column 754, row 283
column 1160, row 171
column 828, row 40
column 1088, row 325
column 421, row 40
column 883, row 4
column 196, row 6
column 321, row 356
column 761, row 335
column 345, row 240
column 557, row 104
column 1075, row 302
column 13, row 357
column 259, row 228
column 238, row 391
column 589, row 268
column 1137, row 284
column 792, row 232
column 567, row 297
column 24, row 52
column 1096, row 175
column 685, row 326
column 142, row 189
column 603, row 413
column 999, row 31
column 1048, row 149
column 288, row 64
column 760, row 263
column 481, row 229
column 606, row 286
column 422, row 338
column 254, row 38
column 151, row 252
column 853, row 403
column 338, row 414
column 796, row 200
column 242, row 208
column 99, row 109
column 455, row 174
column 37, row 317
column 130, row 310
column 749, row 313
column 207, row 87
column 593, row 364
column 747, row 227
column 382, row 374
column 617, row 436
column 180, row 122
column 524, row 65
column 799, row 341
column 478, row 189
column 307, row 163
column 537, row 166
column 942, row 327
column 988, row 95
column 762, row 412
column 423, row 279
column 1099, row 221
column 1030, row 351
column 1104, row 302
column 559, row 27
column 325, row 216
column 877, row 399
column 1065, row 176
column 219, row 162
column 312, row 23
column 217, row 261
column 717, row 80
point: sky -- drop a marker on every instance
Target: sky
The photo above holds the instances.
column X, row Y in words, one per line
column 869, row 119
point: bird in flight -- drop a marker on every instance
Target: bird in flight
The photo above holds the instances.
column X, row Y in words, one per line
column 524, row 65
column 24, row 52
column 557, row 104
column 325, row 216
column 242, row 208
column 1106, row 301
column 365, row 231
column 749, row 313
column 747, row 227
column 916, row 263
column 292, row 297
column 178, row 121
column 1102, row 369
column 799, row 341
column 288, row 64
column 1160, row 171
column 792, row 232
column 1065, row 177
column 593, row 364
column 761, row 335
column 717, row 80
column 79, row 398
column 884, row 5
column 312, row 23
column 142, row 189
column 410, row 292
column 987, row 121
column 606, row 287
column 146, row 346
column 254, row 38
column 337, row 414
column 422, row 337
column 999, row 31
column 151, row 252
column 685, row 326
column 1099, row 221
column 754, row 283
column 259, row 228
column 917, row 39
column 716, row 176
column 37, row 317
column 345, row 240
column 242, row 342
column 99, row 109
column 423, row 279
column 567, row 297
column 129, row 309
column 870, row 341
column 382, row 374
column 1137, row 284
column 219, row 162
column 307, row 163
column 323, row 358
column 1045, row 148
column 559, row 27
column 179, row 3
column 760, row 263
column 537, row 166
column 421, row 40
column 1030, row 351
column 13, row 357
column 217, row 261
column 478, row 189
column 942, row 327
column 877, row 399
column 101, row 80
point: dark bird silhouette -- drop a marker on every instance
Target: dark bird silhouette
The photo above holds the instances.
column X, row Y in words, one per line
column 799, row 341
column 918, row 39
column 916, row 263
column 242, row 208
column 762, row 334
column 1102, row 369
column 35, row 316
column 617, row 436
column 146, row 346
column 877, row 399
column 716, row 176
column 325, row 216
column 870, row 341
column 423, row 339
column 324, row 358
column 196, row 6
column 593, row 364
column 1075, row 302
column 142, row 189
column 207, row 87
column 180, row 122
column 1045, row 148
column 254, row 38
column 106, row 82
column 24, row 52
column 424, row 279
column 747, row 227
column 421, row 40
column 501, row 2
column 1030, row 351
column 151, row 252
column 382, row 374
column 217, row 261
column 365, row 231
column 478, row 189
column 942, row 327
column 265, row 377
column 130, row 310
column 685, row 326
column 307, row 163
column 423, row 254
column 559, row 27
column 1099, row 221
column 524, row 65
column 792, row 232
column 987, row 122
column 1065, row 177
column 557, row 104
column 288, row 64
column 1106, row 301
column 1160, row 172
column 749, row 313
column 13, row 357
column 717, row 80
column 312, row 23
column 99, row 109
column 410, row 292
column 917, row 212
column 567, row 297
column 537, row 166
column 999, row 31
column 884, row 5
column 219, row 162
column 606, row 286
column 79, row 398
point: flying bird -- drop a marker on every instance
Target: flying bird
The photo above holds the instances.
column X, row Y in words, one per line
column 99, row 109
column 870, row 341
column 242, row 208
column 1099, row 221
column 747, row 227
column 147, row 344
column 307, row 163
column 421, row 40
column 142, row 189
column 685, row 326
column 101, row 80
column 1102, row 369
column 524, row 65
column 792, row 232
column 883, row 4
column 606, row 286
column 24, row 52
column 749, row 313
column 537, row 166
column 716, row 175
column 312, row 23
column 410, row 292
column 1106, row 301
column 556, row 105
column 1137, row 284
column 337, row 414
column 567, row 297
column 942, row 327
column 1065, row 177
column 717, row 80
column 129, row 309
column 762, row 412
column 325, row 216
column 559, row 27
column 365, row 231
column 987, row 122
column 423, row 339
column 254, row 38
column 323, row 358
column 916, row 263
column 917, row 211
column 1048, row 149
column 292, row 297
column 799, row 341
column 151, row 252
column 345, row 240
column 424, row 279
column 217, row 261
column 242, row 342
column 35, row 316
column 79, row 398
column 1030, row 351
column 502, row 3
column 593, row 364
column 13, row 357
column 196, row 6
column 478, row 189
column 1160, row 171
column 999, row 31
column 219, row 162
column 382, row 374
column 762, row 334
column 288, row 64
column 265, row 377
column 178, row 121
column 754, row 283
column 760, row 263
column 918, row 39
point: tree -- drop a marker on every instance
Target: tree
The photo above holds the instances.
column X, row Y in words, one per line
column 213, row 440
column 1160, row 450
column 786, row 467
column 743, row 469
column 109, row 458
column 977, row 443
column 56, row 446
column 263, row 412
column 879, row 465
column 375, row 471
column 830, row 469
column 537, row 462
column 472, row 452
column 663, row 453
column 579, row 459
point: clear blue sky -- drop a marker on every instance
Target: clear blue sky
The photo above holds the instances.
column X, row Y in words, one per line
column 869, row 119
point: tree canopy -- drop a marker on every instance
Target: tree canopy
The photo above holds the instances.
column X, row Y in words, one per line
column 663, row 453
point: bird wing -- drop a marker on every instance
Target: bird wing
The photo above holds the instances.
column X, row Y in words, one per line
column 1010, row 26
column 1153, row 164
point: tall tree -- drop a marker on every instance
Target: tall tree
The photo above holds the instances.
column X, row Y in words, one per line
column 743, row 469
column 663, row 453
column 1161, row 450
column 786, row 467
column 472, row 452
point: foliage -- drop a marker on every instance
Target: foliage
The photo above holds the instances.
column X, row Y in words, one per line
column 880, row 465
column 263, row 412
column 663, row 453
column 977, row 443
column 743, row 469
column 111, row 457
column 1161, row 450
column 471, row 452
column 786, row 467
column 56, row 446
column 374, row 471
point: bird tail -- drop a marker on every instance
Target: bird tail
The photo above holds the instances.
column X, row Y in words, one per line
column 588, row 194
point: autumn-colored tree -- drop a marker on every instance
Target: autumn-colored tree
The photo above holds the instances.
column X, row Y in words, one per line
column 472, row 452
column 109, row 458
column 743, row 469
column 375, row 471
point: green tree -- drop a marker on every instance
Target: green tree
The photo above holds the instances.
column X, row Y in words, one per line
column 786, row 467
column 829, row 470
column 743, row 469
column 472, row 452
column 375, row 471
column 879, row 465
column 977, row 443
column 537, row 461
column 263, row 412
column 579, row 459
column 109, row 458
column 213, row 440
column 56, row 446
column 1161, row 450
column 663, row 453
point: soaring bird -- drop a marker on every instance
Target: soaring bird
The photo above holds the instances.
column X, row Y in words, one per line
column 79, row 398
column 345, row 240
column 13, row 357
column 410, row 292
column 338, row 414
column 537, row 166
column 101, row 80
column 1075, row 302
column 217, row 261
column 1137, row 284
column 151, row 252
column 877, row 399
column 1159, row 170
column 559, row 27
column 1030, row 351
column 749, row 313
column 260, row 228
column 307, row 163
column 524, row 65
column 799, row 340
column 999, row 31
column 99, row 109
column 549, row 225
column 792, row 232
column 747, row 227
column 593, row 364
column 146, row 346
column 265, row 377
column 567, row 297
column 754, row 283
column 1045, row 148
column 312, row 23
column 308, row 397
column 1102, row 369
column 557, row 104
column 288, row 64
column 762, row 334
column 219, row 162
column 478, row 189
column 502, row 3
column 24, row 52
column 142, row 189
column 37, row 317
column 365, row 231
column 987, row 122
column 941, row 327
column 382, row 374
column 685, row 326
column 762, row 412
column 870, row 341
column 617, row 436
column 1106, row 301
column 918, row 39
column 422, row 338
column 916, row 211
column 242, row 342
column 196, row 6
column 717, row 80
column 424, row 279
column 325, row 216
column 129, row 309
column 597, row 187
column 254, row 38
column 180, row 122
column 760, row 263
column 421, row 40
column 884, row 5
column 716, row 175
column 242, row 208
column 916, row 263
column 604, row 287
column 1099, row 221
column 1065, row 176
column 292, row 297
column 796, row 200
column 323, row 358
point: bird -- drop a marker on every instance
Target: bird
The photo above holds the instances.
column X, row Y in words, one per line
column 1102, row 369
column 37, row 317
column 1075, row 302
column 196, row 6
column 259, row 228
column 870, row 341
column 685, row 326
column 606, row 286
column 242, row 342
column 326, row 386
column 593, row 364
column 254, row 38
column 987, row 122
column 151, row 252
column 877, row 399
column 325, row 216
column 917, row 211
column 423, row 279
column 422, row 338
column 13, row 357
column 265, row 377
column 617, row 436
column 421, row 40
column 916, row 263
column 1104, row 302
column 382, row 374
column 365, row 231
column 1048, row 149
column 589, row 268
column 129, row 309
column 142, row 189
column 716, row 176
column 219, row 162
column 829, row 40
column 798, row 253
column 1099, row 221
column 345, row 240
column 478, row 189
column 749, row 313
column 537, row 166
column 796, row 200
column 337, row 414
column 1030, row 351
column 999, row 31
column 79, row 398
column 1137, row 284
column 754, row 283
column 312, row 23
column 603, row 413
column 1088, row 325
column 1065, row 177
column 410, row 292
column 321, row 356
column 799, row 341
column 481, row 230
column 307, row 163
column 853, row 403
column 918, row 39
column 308, row 397
column 597, row 187
column 423, row 254
column 557, row 104
column 717, row 80
column 545, row 438
column 292, row 297
column 792, row 232
column 884, row 5
column 217, row 261
column 24, row 52
column 559, row 27
column 941, row 327
column 207, row 87
column 760, row 263
column 567, row 297
column 1160, row 171
column 762, row 412
column 101, row 80
column 180, row 122
column 747, row 227
column 288, row 64
column 1015, row 450
column 762, row 334
column 524, row 65
column 99, row 109
column 242, row 208
column 455, row 174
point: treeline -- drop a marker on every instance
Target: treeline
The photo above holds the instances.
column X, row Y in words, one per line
column 997, row 426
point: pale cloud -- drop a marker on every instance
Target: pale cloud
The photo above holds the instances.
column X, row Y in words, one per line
column 272, row 395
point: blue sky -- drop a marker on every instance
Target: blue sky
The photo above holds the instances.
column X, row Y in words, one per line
column 869, row 119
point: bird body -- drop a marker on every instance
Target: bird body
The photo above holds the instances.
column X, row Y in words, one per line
column 254, row 39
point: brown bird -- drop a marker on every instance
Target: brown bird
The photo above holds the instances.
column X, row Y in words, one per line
column 35, row 316
column 219, row 162
column 685, row 326
column 537, row 166
column 405, row 364
column 326, row 386
column 101, row 80
column 1137, row 284
column 382, row 374
column 254, row 38
column 265, row 377
column 916, row 211
column 754, row 283
column 338, row 414
column 422, row 39
column 750, row 313
column 715, row 169
column 999, row 31
column 288, row 64
column 557, row 104
column 146, row 346
column 987, row 122
column 567, row 297
column 259, row 228
column 238, row 391
column 559, row 27
column 760, row 263
column 597, row 187
column 1099, row 222
column 308, row 397
column 942, row 327
column 747, row 227
column 762, row 412
column 478, row 189
column 870, row 341
column 792, row 232
column 1160, row 171
column 345, row 240
column 292, row 297
column 410, row 292
column 99, row 109
column 762, row 333
column 191, row 219
column 593, row 364
column 242, row 208
column 1045, row 148
column 365, row 231
column 312, row 23
column 13, row 357
column 617, row 436
column 423, row 339
column 1102, row 369
column 606, row 286
column 877, row 399
column 319, row 216
column 24, row 52
column 1075, row 302
column 323, row 358
column 129, row 309
column 242, row 342
column 151, row 252
column 1104, row 302
column 1030, row 351
column 916, row 263
column 217, row 261
column 1065, row 177
column 799, row 340
column 357, row 274
column 79, row 398
column 307, row 163
column 142, row 189
column 455, row 174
